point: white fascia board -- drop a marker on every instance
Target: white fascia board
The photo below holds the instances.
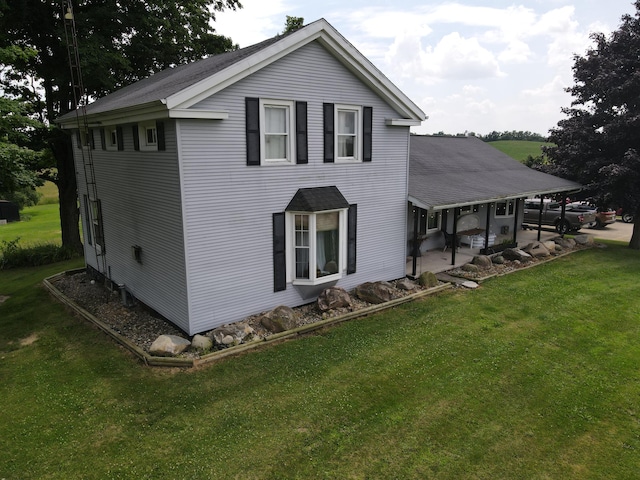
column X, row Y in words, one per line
column 331, row 39
column 421, row 204
column 194, row 113
column 139, row 113
column 403, row 122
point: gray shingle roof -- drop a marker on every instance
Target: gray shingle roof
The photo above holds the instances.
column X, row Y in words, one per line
column 317, row 199
column 172, row 80
column 450, row 171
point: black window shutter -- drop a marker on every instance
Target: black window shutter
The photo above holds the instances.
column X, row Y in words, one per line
column 79, row 139
column 329, row 148
column 136, row 137
column 103, row 140
column 92, row 140
column 302, row 150
column 367, row 127
column 279, row 257
column 160, row 135
column 352, row 220
column 120, row 138
column 253, row 130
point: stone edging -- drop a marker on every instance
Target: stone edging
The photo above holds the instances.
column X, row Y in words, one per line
column 211, row 357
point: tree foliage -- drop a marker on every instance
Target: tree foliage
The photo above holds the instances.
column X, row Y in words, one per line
column 513, row 135
column 119, row 43
column 292, row 24
column 598, row 143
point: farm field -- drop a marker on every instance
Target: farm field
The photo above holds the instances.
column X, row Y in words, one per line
column 519, row 149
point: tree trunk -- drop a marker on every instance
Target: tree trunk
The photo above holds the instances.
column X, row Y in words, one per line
column 634, row 243
column 67, row 189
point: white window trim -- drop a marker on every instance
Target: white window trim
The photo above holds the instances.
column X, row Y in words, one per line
column 291, row 122
column 142, row 136
column 507, row 215
column 291, row 254
column 357, row 148
column 110, row 133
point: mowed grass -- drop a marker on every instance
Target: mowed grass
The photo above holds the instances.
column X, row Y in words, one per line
column 534, row 375
column 519, row 149
column 40, row 223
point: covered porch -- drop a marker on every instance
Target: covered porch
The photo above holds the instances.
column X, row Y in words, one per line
column 436, row 260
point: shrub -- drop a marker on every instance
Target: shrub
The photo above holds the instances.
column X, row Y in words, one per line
column 12, row 255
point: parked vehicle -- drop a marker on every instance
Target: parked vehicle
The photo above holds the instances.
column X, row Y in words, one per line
column 604, row 216
column 552, row 215
column 626, row 217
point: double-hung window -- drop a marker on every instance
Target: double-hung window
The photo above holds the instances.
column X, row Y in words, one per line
column 277, row 139
column 505, row 208
column 319, row 246
column 111, row 138
column 348, row 133
column 148, row 136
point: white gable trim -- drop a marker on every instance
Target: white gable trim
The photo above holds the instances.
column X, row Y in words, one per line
column 331, row 39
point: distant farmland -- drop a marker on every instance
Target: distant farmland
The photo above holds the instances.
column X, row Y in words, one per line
column 519, row 149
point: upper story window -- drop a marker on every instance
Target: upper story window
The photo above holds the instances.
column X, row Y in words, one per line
column 148, row 136
column 277, row 139
column 111, row 138
column 348, row 133
column 276, row 132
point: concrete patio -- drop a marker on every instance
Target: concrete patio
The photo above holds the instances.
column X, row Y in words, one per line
column 437, row 261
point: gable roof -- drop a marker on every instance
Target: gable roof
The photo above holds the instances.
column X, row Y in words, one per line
column 173, row 91
column 447, row 172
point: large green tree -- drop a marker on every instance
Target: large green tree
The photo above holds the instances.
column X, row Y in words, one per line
column 119, row 42
column 598, row 144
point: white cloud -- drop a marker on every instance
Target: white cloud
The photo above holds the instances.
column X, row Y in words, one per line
column 256, row 21
column 453, row 57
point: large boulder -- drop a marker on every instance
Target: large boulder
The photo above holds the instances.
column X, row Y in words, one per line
column 406, row 284
column 497, row 259
column 566, row 243
column 233, row 334
column 514, row 254
column 332, row 298
column 375, row 292
column 168, row 346
column 428, row 280
column 583, row 239
column 482, row 261
column 280, row 319
column 201, row 343
column 537, row 250
column 470, row 267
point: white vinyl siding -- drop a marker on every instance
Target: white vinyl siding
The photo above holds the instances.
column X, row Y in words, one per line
column 229, row 206
column 141, row 206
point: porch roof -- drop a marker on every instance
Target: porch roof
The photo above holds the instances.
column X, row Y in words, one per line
column 447, row 172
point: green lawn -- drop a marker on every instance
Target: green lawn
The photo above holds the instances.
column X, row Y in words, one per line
column 40, row 224
column 534, row 375
column 519, row 149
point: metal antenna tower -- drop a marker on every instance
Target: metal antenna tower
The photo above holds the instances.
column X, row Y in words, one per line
column 80, row 101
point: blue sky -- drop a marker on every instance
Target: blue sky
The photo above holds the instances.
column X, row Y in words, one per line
column 474, row 66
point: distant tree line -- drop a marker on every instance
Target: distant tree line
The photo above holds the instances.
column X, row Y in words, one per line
column 513, row 135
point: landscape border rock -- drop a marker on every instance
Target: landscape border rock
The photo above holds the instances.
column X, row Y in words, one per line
column 257, row 341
